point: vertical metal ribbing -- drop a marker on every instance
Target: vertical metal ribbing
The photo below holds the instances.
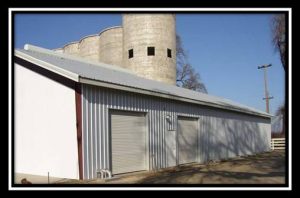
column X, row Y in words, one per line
column 208, row 128
column 129, row 101
column 105, row 96
column 92, row 155
column 163, row 134
column 114, row 98
column 156, row 134
column 122, row 101
column 153, row 141
column 88, row 134
column 204, row 141
column 133, row 106
column 151, row 131
column 107, row 131
column 84, row 140
column 102, row 129
column 97, row 121
column 84, row 118
column 99, row 129
column 94, row 132
column 160, row 133
column 150, row 141
column 136, row 104
column 212, row 136
column 174, row 122
column 157, row 121
column 172, row 115
column 209, row 137
column 198, row 143
column 201, row 138
column 117, row 100
column 153, row 135
column 83, row 129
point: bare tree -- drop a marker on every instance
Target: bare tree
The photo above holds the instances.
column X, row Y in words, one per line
column 279, row 34
column 279, row 42
column 187, row 77
column 281, row 111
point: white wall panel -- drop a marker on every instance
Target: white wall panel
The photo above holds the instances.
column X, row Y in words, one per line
column 45, row 126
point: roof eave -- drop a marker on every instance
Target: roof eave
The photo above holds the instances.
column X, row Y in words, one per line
column 167, row 96
column 77, row 78
column 48, row 66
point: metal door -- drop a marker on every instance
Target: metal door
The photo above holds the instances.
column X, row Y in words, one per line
column 187, row 140
column 128, row 138
column 171, row 148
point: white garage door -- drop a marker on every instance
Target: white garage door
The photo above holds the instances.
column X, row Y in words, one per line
column 128, row 133
column 187, row 140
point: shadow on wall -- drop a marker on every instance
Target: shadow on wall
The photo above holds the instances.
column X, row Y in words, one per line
column 228, row 135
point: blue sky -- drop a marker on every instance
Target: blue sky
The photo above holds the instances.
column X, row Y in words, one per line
column 224, row 48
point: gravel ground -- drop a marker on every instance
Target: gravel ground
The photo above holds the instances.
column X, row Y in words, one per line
column 264, row 168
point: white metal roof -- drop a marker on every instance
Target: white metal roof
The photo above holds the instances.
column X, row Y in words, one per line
column 100, row 74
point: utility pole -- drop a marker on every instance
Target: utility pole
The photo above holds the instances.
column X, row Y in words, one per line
column 267, row 97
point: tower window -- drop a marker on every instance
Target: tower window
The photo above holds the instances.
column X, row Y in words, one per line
column 130, row 53
column 151, row 51
column 169, row 52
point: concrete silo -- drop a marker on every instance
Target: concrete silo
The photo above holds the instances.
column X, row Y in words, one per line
column 149, row 46
column 89, row 47
column 72, row 48
column 110, row 48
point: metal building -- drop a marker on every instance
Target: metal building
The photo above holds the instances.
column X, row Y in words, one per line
column 74, row 118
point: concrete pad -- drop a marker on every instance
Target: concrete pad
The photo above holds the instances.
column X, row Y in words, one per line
column 36, row 179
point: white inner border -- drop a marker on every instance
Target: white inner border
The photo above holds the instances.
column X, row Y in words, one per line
column 289, row 10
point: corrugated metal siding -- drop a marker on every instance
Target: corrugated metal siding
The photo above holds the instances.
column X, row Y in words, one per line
column 222, row 134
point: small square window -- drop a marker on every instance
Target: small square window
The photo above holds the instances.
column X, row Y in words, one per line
column 151, row 51
column 130, row 53
column 169, row 52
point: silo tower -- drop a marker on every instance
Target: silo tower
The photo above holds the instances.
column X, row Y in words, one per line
column 111, row 42
column 71, row 48
column 149, row 46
